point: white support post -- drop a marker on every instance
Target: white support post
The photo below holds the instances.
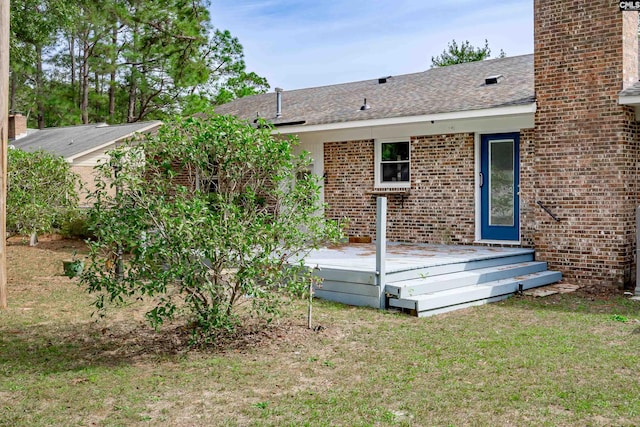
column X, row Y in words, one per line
column 638, row 251
column 381, row 247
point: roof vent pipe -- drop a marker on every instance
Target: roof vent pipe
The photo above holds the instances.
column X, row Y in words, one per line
column 493, row 80
column 278, row 102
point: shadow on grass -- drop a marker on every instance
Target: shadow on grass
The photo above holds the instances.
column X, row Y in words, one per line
column 47, row 349
column 69, row 347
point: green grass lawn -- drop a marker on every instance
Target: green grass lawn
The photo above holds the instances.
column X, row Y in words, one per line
column 562, row 360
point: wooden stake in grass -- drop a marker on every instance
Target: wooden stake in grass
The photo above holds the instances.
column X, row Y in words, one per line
column 312, row 282
column 310, row 304
column 4, row 127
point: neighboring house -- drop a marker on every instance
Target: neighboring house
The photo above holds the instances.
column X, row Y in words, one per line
column 82, row 146
column 539, row 151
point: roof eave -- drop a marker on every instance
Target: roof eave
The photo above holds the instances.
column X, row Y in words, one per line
column 455, row 115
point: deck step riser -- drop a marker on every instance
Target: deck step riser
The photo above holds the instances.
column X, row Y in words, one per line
column 475, row 293
column 457, row 280
column 456, row 267
column 461, row 306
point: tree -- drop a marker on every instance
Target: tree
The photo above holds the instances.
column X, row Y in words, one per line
column 121, row 60
column 41, row 190
column 243, row 84
column 34, row 25
column 466, row 52
column 217, row 216
column 164, row 53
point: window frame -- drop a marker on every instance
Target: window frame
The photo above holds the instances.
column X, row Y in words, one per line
column 378, row 164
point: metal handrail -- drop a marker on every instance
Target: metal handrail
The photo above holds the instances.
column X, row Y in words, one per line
column 546, row 209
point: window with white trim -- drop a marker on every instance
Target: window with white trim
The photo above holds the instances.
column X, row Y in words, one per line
column 392, row 158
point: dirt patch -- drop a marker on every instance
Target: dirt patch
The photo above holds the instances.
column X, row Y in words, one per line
column 140, row 340
column 599, row 292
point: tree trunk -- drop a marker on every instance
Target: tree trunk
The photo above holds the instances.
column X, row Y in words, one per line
column 112, row 78
column 84, row 104
column 131, row 111
column 13, row 86
column 133, row 83
column 39, row 91
column 72, row 56
column 99, row 113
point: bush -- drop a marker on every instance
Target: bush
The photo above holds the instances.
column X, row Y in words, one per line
column 41, row 190
column 213, row 219
column 76, row 225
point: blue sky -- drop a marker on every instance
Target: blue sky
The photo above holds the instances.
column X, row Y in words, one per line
column 305, row 43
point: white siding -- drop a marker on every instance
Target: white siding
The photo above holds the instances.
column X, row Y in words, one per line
column 314, row 145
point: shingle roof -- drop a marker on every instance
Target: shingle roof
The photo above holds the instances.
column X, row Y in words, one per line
column 454, row 88
column 73, row 140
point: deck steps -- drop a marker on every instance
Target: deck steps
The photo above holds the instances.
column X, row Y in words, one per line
column 454, row 298
column 427, row 279
column 432, row 283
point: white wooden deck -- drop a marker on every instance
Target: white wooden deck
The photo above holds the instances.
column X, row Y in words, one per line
column 403, row 256
column 425, row 279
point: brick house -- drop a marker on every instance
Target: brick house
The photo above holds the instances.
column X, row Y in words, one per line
column 539, row 151
column 82, row 146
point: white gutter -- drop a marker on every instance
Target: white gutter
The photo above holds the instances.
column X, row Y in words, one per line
column 151, row 125
column 456, row 115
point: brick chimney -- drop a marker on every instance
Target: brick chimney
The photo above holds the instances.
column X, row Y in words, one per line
column 586, row 145
column 17, row 126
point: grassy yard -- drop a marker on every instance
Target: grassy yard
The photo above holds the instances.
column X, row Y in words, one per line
column 560, row 360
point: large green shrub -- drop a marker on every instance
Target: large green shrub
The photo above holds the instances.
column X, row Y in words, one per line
column 41, row 191
column 212, row 219
column 76, row 225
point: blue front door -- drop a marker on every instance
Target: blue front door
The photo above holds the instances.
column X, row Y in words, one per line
column 499, row 186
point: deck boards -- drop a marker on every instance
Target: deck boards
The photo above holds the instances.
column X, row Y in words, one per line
column 403, row 257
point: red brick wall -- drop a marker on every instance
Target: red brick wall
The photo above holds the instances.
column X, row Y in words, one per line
column 528, row 207
column 586, row 147
column 17, row 126
column 440, row 206
column 349, row 177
